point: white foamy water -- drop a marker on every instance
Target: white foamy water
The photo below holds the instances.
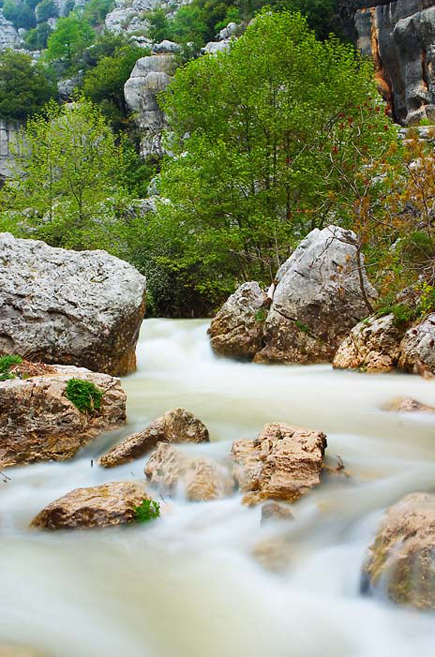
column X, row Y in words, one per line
column 188, row 586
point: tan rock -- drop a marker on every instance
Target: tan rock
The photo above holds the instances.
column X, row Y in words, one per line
column 408, row 405
column 417, row 349
column 175, row 426
column 200, row 478
column 98, row 506
column 372, row 345
column 38, row 423
column 283, row 463
column 274, row 553
column 402, row 558
column 275, row 511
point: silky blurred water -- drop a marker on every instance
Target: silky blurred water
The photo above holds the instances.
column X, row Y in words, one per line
column 188, row 585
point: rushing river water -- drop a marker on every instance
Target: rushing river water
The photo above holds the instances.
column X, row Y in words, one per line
column 187, row 585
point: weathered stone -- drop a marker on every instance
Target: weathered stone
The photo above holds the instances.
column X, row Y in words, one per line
column 275, row 511
column 165, row 46
column 199, row 478
column 227, row 32
column 417, row 349
column 38, row 423
column 176, row 426
column 9, row 37
column 99, row 506
column 402, row 558
column 408, row 405
column 322, row 293
column 372, row 345
column 401, row 38
column 75, row 308
column 213, row 47
column 283, row 463
column 150, row 76
column 273, row 554
column 237, row 329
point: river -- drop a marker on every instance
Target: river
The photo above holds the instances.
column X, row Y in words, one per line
column 188, row 585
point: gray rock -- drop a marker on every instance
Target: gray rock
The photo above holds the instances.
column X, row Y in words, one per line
column 318, row 299
column 417, row 349
column 66, row 88
column 150, row 76
column 9, row 37
column 213, row 47
column 237, row 329
column 79, row 308
column 8, row 139
column 227, row 32
column 165, row 46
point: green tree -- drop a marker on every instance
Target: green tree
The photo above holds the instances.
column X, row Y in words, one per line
column 37, row 38
column 269, row 137
column 96, row 11
column 19, row 13
column 72, row 36
column 45, row 10
column 24, row 87
column 68, row 186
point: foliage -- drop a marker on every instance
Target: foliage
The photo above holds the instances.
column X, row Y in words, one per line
column 19, row 13
column 45, row 10
column 6, row 362
column 72, row 36
column 24, row 87
column 96, row 11
column 240, row 191
column 84, row 395
column 147, row 510
column 68, row 186
column 37, row 38
column 402, row 313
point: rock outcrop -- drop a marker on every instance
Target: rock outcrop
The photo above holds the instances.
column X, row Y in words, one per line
column 417, row 348
column 400, row 36
column 8, row 140
column 98, row 506
column 322, row 293
column 283, row 463
column 402, row 558
column 38, row 422
column 373, row 345
column 237, row 329
column 150, row 76
column 199, row 478
column 74, row 308
column 175, row 426
column 9, row 37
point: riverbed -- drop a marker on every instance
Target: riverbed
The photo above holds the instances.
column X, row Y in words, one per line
column 188, row 584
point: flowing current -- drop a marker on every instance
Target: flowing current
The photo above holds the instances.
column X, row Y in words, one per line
column 188, row 585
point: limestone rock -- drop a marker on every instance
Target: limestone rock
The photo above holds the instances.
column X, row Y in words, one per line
column 318, row 299
column 283, row 463
column 38, row 423
column 402, row 558
column 98, row 506
column 76, row 308
column 372, row 345
column 165, row 46
column 9, row 37
column 175, row 426
column 275, row 511
column 273, row 554
column 199, row 478
column 227, row 32
column 237, row 329
column 213, row 47
column 150, row 76
column 417, row 349
column 408, row 405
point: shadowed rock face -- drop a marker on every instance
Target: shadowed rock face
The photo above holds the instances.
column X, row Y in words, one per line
column 68, row 307
column 38, row 423
column 400, row 36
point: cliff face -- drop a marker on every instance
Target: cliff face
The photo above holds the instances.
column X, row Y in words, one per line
column 400, row 37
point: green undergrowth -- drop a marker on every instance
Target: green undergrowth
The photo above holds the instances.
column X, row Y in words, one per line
column 6, row 363
column 404, row 312
column 84, row 395
column 147, row 510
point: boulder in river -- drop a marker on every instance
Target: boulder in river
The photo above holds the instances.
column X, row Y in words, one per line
column 417, row 349
column 283, row 463
column 402, row 558
column 200, row 478
column 98, row 506
column 69, row 307
column 39, row 423
column 175, row 426
column 373, row 345
column 322, row 292
column 408, row 405
column 237, row 329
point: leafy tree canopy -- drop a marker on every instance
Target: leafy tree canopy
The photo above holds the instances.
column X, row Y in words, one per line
column 72, row 36
column 45, row 10
column 19, row 13
column 24, row 87
column 37, row 38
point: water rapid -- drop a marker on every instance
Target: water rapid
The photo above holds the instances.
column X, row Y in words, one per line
column 188, row 585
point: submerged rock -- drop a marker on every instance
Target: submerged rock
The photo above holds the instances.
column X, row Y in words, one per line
column 99, row 506
column 275, row 511
column 175, row 426
column 75, row 308
column 237, row 329
column 372, row 345
column 402, row 558
column 198, row 477
column 38, row 422
column 408, row 405
column 319, row 298
column 283, row 463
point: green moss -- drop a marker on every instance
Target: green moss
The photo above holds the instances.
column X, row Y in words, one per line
column 147, row 510
column 261, row 315
column 401, row 312
column 6, row 363
column 84, row 395
column 302, row 327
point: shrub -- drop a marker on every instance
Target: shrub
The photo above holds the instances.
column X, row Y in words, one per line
column 147, row 510
column 6, row 363
column 84, row 395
